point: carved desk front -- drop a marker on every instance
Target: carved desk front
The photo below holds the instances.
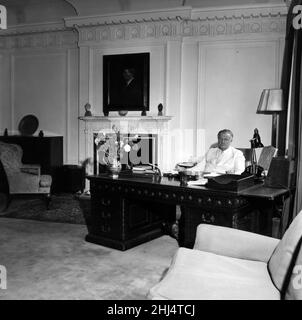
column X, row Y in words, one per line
column 129, row 210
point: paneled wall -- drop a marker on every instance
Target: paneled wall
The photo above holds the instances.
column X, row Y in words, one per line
column 40, row 77
column 208, row 68
column 233, row 75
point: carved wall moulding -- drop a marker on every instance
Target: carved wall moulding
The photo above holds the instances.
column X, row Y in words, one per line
column 158, row 30
column 39, row 40
column 244, row 12
column 34, row 28
column 133, row 17
column 158, row 24
column 182, row 23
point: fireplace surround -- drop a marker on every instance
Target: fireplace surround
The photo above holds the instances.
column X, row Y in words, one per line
column 154, row 126
column 144, row 153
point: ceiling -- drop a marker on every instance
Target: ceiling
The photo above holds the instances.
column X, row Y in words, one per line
column 35, row 11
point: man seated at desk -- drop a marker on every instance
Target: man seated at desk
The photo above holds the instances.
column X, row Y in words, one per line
column 221, row 159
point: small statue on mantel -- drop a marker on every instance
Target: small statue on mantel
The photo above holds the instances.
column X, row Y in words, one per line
column 5, row 133
column 256, row 141
column 87, row 110
column 160, row 109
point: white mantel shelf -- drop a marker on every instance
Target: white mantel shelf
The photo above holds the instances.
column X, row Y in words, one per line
column 126, row 118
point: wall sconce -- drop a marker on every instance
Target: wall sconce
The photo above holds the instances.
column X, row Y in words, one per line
column 271, row 102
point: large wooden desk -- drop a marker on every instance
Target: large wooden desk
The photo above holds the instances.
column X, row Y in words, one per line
column 131, row 210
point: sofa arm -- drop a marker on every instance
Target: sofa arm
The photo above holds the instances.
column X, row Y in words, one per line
column 31, row 169
column 234, row 243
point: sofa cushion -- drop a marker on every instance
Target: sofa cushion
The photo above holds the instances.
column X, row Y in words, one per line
column 200, row 275
column 281, row 258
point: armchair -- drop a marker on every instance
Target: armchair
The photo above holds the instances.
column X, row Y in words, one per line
column 229, row 264
column 22, row 178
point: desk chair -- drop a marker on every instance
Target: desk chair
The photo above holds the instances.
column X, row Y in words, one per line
column 264, row 156
column 230, row 264
column 247, row 152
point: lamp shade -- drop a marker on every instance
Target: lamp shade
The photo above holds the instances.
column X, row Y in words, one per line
column 271, row 101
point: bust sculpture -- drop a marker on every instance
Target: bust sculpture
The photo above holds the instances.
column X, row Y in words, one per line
column 87, row 110
column 160, row 109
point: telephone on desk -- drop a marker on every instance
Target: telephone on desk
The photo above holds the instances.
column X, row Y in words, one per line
column 255, row 170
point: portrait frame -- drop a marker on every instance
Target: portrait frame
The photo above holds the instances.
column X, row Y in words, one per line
column 115, row 84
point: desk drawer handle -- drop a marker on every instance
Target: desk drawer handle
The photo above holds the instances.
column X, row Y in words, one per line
column 105, row 214
column 105, row 202
column 207, row 217
column 105, row 228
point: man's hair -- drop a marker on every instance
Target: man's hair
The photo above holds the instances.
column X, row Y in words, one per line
column 225, row 131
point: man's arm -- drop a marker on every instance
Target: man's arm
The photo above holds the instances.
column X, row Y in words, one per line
column 201, row 163
column 199, row 166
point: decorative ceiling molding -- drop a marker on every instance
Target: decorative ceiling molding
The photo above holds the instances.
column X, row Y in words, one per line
column 130, row 17
column 34, row 28
column 200, row 23
column 242, row 12
column 148, row 25
column 59, row 39
column 180, row 14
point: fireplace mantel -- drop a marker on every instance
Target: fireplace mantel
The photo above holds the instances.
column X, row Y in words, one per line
column 126, row 118
column 152, row 124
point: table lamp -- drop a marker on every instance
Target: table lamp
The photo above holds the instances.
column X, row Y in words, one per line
column 271, row 102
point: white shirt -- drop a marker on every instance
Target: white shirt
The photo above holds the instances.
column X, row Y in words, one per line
column 230, row 160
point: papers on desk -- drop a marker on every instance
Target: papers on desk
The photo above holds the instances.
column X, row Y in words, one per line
column 171, row 172
column 138, row 169
column 212, row 174
column 199, row 182
column 142, row 169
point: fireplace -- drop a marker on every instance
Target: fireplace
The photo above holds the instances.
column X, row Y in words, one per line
column 144, row 150
column 151, row 129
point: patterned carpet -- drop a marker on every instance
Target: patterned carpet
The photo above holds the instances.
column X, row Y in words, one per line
column 63, row 208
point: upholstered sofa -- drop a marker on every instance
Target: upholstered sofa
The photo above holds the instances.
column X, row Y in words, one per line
column 22, row 178
column 230, row 264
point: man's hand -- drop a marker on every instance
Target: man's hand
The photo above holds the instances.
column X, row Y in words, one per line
column 179, row 169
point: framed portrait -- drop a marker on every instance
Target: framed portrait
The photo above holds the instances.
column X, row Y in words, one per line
column 126, row 82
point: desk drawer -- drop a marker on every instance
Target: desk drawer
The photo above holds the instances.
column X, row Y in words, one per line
column 106, row 214
column 141, row 216
column 191, row 217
